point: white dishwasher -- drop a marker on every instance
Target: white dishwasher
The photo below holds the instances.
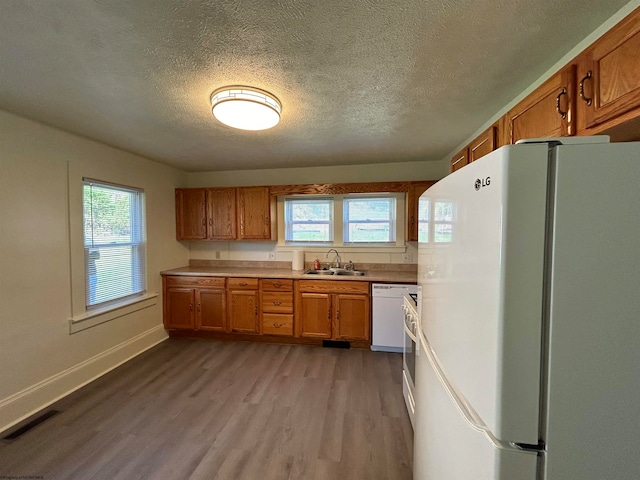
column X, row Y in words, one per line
column 388, row 317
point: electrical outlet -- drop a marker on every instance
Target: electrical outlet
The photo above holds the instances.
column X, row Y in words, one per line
column 217, row 254
column 407, row 258
column 271, row 255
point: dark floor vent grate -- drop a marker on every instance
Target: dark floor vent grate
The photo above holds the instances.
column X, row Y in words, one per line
column 336, row 344
column 33, row 423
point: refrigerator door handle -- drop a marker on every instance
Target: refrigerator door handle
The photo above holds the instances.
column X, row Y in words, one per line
column 462, row 405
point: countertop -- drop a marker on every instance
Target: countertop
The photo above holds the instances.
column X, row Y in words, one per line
column 375, row 272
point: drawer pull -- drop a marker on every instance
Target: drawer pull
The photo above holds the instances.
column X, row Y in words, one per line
column 581, row 94
column 243, row 284
column 563, row 92
column 277, row 303
column 277, row 285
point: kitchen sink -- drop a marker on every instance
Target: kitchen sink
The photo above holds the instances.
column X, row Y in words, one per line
column 340, row 272
column 319, row 272
column 351, row 273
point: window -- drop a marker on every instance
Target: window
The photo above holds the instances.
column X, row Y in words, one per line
column 356, row 220
column 114, row 242
column 369, row 220
column 309, row 220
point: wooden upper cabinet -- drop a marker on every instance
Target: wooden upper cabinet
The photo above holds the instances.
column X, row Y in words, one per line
column 225, row 214
column 221, row 212
column 413, row 196
column 549, row 111
column 460, row 159
column 191, row 216
column 485, row 143
column 609, row 76
column 254, row 213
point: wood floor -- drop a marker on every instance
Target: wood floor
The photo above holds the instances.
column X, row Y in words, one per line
column 206, row 409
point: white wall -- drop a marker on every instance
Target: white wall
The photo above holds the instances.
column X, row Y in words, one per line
column 39, row 165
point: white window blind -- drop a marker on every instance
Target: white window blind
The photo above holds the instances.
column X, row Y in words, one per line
column 114, row 242
column 370, row 220
column 308, row 220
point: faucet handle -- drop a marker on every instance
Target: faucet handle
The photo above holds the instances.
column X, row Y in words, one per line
column 350, row 266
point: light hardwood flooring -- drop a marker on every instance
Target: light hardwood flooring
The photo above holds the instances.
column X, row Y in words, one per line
column 206, row 409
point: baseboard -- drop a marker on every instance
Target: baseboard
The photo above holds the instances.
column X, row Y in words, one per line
column 22, row 405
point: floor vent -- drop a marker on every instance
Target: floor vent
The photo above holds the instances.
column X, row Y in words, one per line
column 28, row 426
column 336, row 344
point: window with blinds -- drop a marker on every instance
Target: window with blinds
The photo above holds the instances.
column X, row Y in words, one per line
column 370, row 220
column 114, row 242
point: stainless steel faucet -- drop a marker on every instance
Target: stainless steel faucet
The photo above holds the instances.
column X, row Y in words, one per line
column 337, row 265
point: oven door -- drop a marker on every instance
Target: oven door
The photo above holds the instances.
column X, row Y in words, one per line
column 409, row 366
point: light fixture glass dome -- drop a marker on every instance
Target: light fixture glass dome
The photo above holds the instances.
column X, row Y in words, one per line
column 246, row 108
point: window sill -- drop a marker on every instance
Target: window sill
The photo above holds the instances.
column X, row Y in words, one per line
column 106, row 314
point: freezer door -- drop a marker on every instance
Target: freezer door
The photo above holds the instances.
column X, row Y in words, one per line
column 448, row 447
column 481, row 277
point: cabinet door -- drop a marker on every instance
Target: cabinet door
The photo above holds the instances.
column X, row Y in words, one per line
column 485, row 143
column 351, row 317
column 179, row 308
column 610, row 84
column 413, row 196
column 254, row 213
column 210, row 309
column 549, row 111
column 460, row 159
column 243, row 311
column 314, row 315
column 191, row 217
column 221, row 212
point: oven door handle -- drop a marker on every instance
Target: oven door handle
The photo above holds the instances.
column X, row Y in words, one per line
column 410, row 333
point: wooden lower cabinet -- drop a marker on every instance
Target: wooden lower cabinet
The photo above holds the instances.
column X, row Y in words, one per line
column 333, row 310
column 194, row 303
column 314, row 317
column 276, row 310
column 243, row 301
column 276, row 299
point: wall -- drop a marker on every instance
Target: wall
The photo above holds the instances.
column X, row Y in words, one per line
column 386, row 172
column 586, row 42
column 40, row 359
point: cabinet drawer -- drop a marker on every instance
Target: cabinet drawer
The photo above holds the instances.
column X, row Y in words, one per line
column 277, row 285
column 242, row 283
column 273, row 324
column 185, row 281
column 333, row 286
column 277, row 302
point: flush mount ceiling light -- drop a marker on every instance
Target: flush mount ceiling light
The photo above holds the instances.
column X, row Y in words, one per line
column 246, row 108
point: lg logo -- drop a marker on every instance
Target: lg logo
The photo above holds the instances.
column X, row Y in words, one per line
column 482, row 183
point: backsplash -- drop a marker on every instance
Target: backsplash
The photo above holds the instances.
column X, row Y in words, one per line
column 378, row 267
column 269, row 252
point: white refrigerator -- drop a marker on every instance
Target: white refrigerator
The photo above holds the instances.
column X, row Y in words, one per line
column 529, row 287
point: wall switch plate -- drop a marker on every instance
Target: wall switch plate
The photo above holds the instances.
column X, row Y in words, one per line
column 271, row 255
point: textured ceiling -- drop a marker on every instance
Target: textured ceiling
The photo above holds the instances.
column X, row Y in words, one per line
column 361, row 81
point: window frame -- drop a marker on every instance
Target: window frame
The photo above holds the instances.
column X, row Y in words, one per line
column 137, row 244
column 289, row 223
column 398, row 245
column 392, row 222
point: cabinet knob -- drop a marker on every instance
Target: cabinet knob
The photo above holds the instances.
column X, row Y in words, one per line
column 581, row 94
column 191, row 307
